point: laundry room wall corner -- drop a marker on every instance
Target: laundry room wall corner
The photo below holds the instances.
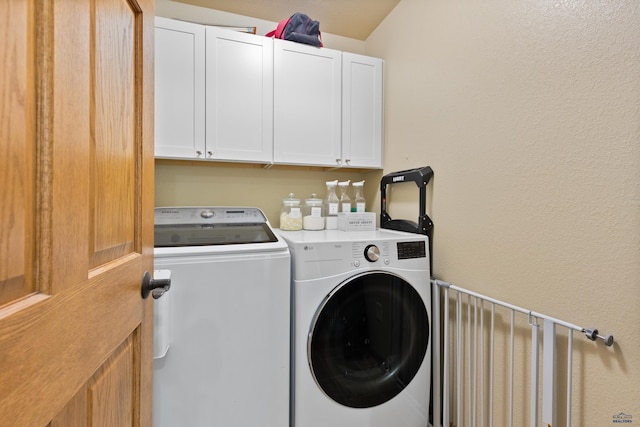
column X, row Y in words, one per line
column 528, row 114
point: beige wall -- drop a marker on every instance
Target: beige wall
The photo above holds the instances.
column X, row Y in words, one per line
column 204, row 183
column 529, row 114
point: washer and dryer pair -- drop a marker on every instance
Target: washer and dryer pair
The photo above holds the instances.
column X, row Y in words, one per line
column 361, row 307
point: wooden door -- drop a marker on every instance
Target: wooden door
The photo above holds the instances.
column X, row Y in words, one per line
column 76, row 212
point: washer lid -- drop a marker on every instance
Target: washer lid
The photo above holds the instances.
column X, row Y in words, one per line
column 210, row 226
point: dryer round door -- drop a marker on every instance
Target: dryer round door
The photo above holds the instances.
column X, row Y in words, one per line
column 368, row 339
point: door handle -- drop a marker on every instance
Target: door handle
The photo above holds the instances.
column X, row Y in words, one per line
column 155, row 287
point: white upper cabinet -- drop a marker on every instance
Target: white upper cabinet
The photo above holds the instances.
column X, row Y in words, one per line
column 362, row 113
column 236, row 97
column 239, row 76
column 179, row 89
column 307, row 103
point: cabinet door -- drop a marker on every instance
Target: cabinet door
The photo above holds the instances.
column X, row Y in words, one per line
column 307, row 100
column 239, row 105
column 362, row 112
column 179, row 89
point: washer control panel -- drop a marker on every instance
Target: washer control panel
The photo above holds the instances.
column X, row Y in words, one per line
column 208, row 215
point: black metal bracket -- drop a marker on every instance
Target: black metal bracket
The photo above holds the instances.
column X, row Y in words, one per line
column 421, row 176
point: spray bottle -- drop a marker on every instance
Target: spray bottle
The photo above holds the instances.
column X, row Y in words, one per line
column 332, row 204
column 345, row 200
column 359, row 204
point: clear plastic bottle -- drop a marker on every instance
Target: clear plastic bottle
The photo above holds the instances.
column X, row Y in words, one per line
column 345, row 200
column 360, row 203
column 290, row 214
column 332, row 206
column 312, row 218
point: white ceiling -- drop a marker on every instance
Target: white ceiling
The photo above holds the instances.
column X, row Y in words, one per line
column 349, row 18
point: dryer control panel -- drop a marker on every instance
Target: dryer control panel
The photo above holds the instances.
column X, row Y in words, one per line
column 372, row 253
column 409, row 250
column 328, row 253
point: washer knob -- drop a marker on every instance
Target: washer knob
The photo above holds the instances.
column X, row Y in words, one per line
column 372, row 253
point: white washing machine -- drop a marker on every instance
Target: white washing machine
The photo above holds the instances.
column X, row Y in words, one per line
column 361, row 353
column 225, row 320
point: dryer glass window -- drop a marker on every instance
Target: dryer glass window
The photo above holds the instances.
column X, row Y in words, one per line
column 368, row 340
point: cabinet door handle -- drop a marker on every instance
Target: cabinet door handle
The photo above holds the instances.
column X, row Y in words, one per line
column 210, row 153
column 199, row 153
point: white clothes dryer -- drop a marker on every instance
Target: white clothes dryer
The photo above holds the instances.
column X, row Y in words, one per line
column 361, row 304
column 227, row 317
